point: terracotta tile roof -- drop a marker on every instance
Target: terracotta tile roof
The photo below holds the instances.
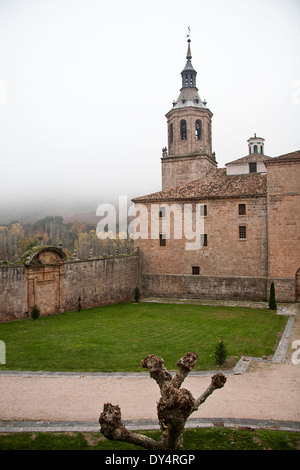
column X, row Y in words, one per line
column 214, row 185
column 254, row 157
column 286, row 157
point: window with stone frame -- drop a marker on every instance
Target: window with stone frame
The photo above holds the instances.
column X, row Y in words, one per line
column 162, row 212
column 242, row 232
column 242, row 209
column 196, row 270
column 203, row 210
column 162, row 240
column 252, row 167
column 203, row 239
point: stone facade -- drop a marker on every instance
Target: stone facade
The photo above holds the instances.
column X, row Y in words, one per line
column 180, row 169
column 283, row 174
column 217, row 276
column 250, row 227
column 221, row 227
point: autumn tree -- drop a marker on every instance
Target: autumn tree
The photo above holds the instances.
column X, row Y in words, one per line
column 173, row 409
column 10, row 237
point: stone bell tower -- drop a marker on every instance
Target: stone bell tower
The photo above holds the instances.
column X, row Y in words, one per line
column 189, row 154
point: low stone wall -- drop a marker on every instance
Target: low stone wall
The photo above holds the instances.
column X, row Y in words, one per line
column 285, row 290
column 110, row 280
column 204, row 287
column 101, row 281
column 13, row 292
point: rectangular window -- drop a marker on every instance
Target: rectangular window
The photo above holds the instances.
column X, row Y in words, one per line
column 162, row 240
column 242, row 232
column 253, row 167
column 203, row 210
column 195, row 270
column 203, row 239
column 162, row 212
column 242, row 209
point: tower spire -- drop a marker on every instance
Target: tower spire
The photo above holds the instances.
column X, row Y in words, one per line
column 189, row 54
column 189, row 73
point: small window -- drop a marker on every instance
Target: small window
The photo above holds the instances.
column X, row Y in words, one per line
column 203, row 210
column 204, row 239
column 162, row 240
column 253, row 167
column 242, row 232
column 195, row 270
column 255, row 148
column 171, row 133
column 162, row 212
column 242, row 209
column 198, row 128
column 183, row 129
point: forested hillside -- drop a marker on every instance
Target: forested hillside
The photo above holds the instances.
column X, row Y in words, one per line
column 76, row 238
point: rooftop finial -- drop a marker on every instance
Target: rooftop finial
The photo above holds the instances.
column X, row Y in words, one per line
column 189, row 54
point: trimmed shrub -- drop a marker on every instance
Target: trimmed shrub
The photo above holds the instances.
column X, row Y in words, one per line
column 272, row 298
column 35, row 312
column 137, row 294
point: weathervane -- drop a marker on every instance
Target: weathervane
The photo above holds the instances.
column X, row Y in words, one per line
column 189, row 32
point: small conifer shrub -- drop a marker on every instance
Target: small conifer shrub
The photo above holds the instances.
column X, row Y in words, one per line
column 220, row 353
column 35, row 312
column 137, row 294
column 79, row 304
column 272, row 298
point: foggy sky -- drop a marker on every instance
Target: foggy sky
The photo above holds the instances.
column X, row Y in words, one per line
column 85, row 86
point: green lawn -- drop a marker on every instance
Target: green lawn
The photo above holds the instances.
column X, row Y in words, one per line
column 194, row 439
column 118, row 337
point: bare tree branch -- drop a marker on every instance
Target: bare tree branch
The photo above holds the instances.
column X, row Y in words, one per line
column 173, row 409
column 185, row 365
column 217, row 381
column 112, row 428
column 157, row 370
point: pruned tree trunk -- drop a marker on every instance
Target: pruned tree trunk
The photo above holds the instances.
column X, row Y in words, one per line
column 173, row 409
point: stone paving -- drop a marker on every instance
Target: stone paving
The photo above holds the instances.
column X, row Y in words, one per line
column 241, row 367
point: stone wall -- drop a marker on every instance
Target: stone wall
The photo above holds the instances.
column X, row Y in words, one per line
column 101, row 281
column 56, row 287
column 204, row 287
column 13, row 292
column 284, row 224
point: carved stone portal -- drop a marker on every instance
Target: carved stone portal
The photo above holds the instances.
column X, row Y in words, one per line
column 45, row 270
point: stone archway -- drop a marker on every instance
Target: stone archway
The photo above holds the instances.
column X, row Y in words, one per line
column 297, row 286
column 45, row 268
